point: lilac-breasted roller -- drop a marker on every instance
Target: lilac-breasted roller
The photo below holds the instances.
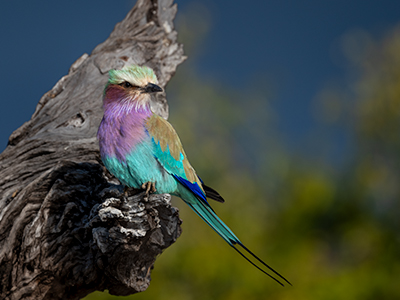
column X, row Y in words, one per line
column 143, row 151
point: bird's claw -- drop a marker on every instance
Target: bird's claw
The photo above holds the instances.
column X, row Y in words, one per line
column 126, row 189
column 149, row 187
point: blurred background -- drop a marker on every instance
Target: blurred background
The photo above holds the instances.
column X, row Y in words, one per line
column 291, row 110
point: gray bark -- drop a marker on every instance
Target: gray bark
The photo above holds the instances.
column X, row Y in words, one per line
column 66, row 226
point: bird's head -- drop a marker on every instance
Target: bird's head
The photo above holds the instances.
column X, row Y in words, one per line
column 132, row 86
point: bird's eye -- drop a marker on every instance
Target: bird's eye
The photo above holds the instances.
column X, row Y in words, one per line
column 127, row 84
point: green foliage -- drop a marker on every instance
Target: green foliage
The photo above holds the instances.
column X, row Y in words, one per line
column 333, row 234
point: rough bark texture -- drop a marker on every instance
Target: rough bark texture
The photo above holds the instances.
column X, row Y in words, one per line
column 66, row 227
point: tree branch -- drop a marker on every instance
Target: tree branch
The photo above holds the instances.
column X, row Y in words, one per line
column 66, row 227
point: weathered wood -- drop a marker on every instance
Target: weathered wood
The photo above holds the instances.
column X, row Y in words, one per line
column 66, row 227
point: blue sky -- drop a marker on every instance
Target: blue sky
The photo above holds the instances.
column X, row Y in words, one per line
column 292, row 43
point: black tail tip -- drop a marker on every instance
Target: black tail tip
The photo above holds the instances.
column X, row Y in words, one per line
column 262, row 262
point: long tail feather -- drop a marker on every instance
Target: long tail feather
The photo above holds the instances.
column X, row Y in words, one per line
column 261, row 261
column 246, row 258
column 208, row 215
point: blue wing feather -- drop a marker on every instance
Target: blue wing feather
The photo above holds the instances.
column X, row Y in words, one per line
column 193, row 187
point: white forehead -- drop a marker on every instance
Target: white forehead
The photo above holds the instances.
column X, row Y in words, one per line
column 136, row 75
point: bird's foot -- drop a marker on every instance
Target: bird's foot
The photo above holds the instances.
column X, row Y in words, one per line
column 149, row 187
column 126, row 189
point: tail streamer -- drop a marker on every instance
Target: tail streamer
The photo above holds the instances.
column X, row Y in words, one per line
column 205, row 212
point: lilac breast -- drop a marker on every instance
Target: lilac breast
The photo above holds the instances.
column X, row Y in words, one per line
column 122, row 126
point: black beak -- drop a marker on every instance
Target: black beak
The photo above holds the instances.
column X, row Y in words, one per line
column 151, row 88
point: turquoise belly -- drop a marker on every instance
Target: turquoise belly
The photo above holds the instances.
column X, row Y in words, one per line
column 141, row 166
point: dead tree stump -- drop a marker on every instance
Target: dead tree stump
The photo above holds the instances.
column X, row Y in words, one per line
column 66, row 227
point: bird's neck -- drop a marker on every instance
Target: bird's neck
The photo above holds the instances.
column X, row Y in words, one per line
column 119, row 105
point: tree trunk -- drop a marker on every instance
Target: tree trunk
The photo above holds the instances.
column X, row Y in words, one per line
column 66, row 226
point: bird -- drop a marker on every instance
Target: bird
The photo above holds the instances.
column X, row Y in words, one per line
column 143, row 151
